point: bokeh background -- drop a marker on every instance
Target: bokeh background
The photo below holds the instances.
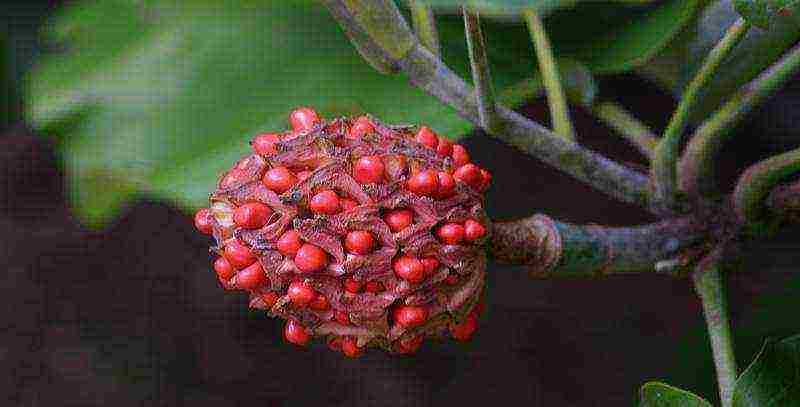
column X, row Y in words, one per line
column 121, row 308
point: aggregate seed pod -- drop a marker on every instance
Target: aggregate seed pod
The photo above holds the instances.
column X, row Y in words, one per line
column 357, row 233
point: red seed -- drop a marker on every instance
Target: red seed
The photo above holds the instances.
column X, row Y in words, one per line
column 359, row 242
column 473, row 230
column 460, row 155
column 231, row 178
column 252, row 215
column 431, row 264
column 409, row 268
column 326, row 202
column 352, row 286
column 300, row 293
column 289, row 242
column 238, row 254
column 342, row 317
column 360, row 128
column 350, row 348
column 303, row 175
column 374, row 287
column 486, row 179
column 224, row 268
column 410, row 345
column 320, row 303
column 427, row 137
column 410, row 316
column 347, row 204
column 269, row 298
column 445, row 147
column 463, row 332
column 296, row 333
column 424, row 183
column 335, row 344
column 203, row 221
column 368, row 170
column 398, row 219
column 251, row 277
column 451, row 279
column 451, row 233
column 310, row 258
column 469, row 174
column 303, row 119
column 279, row 179
column 264, row 143
column 447, row 185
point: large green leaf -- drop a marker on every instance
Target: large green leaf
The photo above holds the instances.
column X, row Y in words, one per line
column 763, row 12
column 773, row 379
column 656, row 394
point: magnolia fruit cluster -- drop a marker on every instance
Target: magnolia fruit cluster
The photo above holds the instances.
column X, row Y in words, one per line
column 358, row 233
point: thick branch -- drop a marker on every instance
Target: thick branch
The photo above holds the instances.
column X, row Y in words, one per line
column 481, row 75
column 425, row 25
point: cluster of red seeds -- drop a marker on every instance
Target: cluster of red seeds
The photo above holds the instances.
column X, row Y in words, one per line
column 359, row 232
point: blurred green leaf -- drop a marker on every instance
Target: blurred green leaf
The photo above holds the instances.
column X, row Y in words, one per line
column 657, row 394
column 773, row 379
column 761, row 12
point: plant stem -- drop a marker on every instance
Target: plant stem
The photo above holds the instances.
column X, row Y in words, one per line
column 481, row 75
column 559, row 110
column 636, row 132
column 709, row 286
column 756, row 183
column 663, row 168
column 697, row 163
column 422, row 18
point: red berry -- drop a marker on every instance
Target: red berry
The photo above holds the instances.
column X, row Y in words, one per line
column 445, row 147
column 303, row 119
column 203, row 221
column 374, row 287
column 460, row 155
column 486, row 179
column 463, row 331
column 347, row 204
column 359, row 242
column 410, row 345
column 451, row 279
column 252, row 215
column 409, row 268
column 279, row 179
column 326, row 202
column 350, row 347
column 224, row 268
column 300, row 293
column 469, row 174
column 447, row 185
column 398, row 219
column 296, row 333
column 251, row 277
column 310, row 258
column 238, row 254
column 451, row 233
column 427, row 137
column 303, row 175
column 231, row 178
column 352, row 286
column 424, row 183
column 342, row 317
column 431, row 264
column 335, row 344
column 473, row 230
column 289, row 242
column 269, row 298
column 409, row 316
column 368, row 170
column 360, row 128
column 320, row 303
column 264, row 143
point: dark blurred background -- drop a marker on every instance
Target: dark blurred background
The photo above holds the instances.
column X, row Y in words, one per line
column 132, row 316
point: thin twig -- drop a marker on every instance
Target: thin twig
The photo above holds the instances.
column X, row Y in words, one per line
column 708, row 283
column 559, row 111
column 636, row 132
column 697, row 164
column 757, row 182
column 424, row 22
column 663, row 168
column 481, row 74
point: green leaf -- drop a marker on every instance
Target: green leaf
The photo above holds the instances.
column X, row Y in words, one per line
column 762, row 12
column 773, row 379
column 657, row 394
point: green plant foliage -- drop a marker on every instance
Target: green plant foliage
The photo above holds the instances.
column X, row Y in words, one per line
column 762, row 12
column 773, row 379
column 657, row 394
